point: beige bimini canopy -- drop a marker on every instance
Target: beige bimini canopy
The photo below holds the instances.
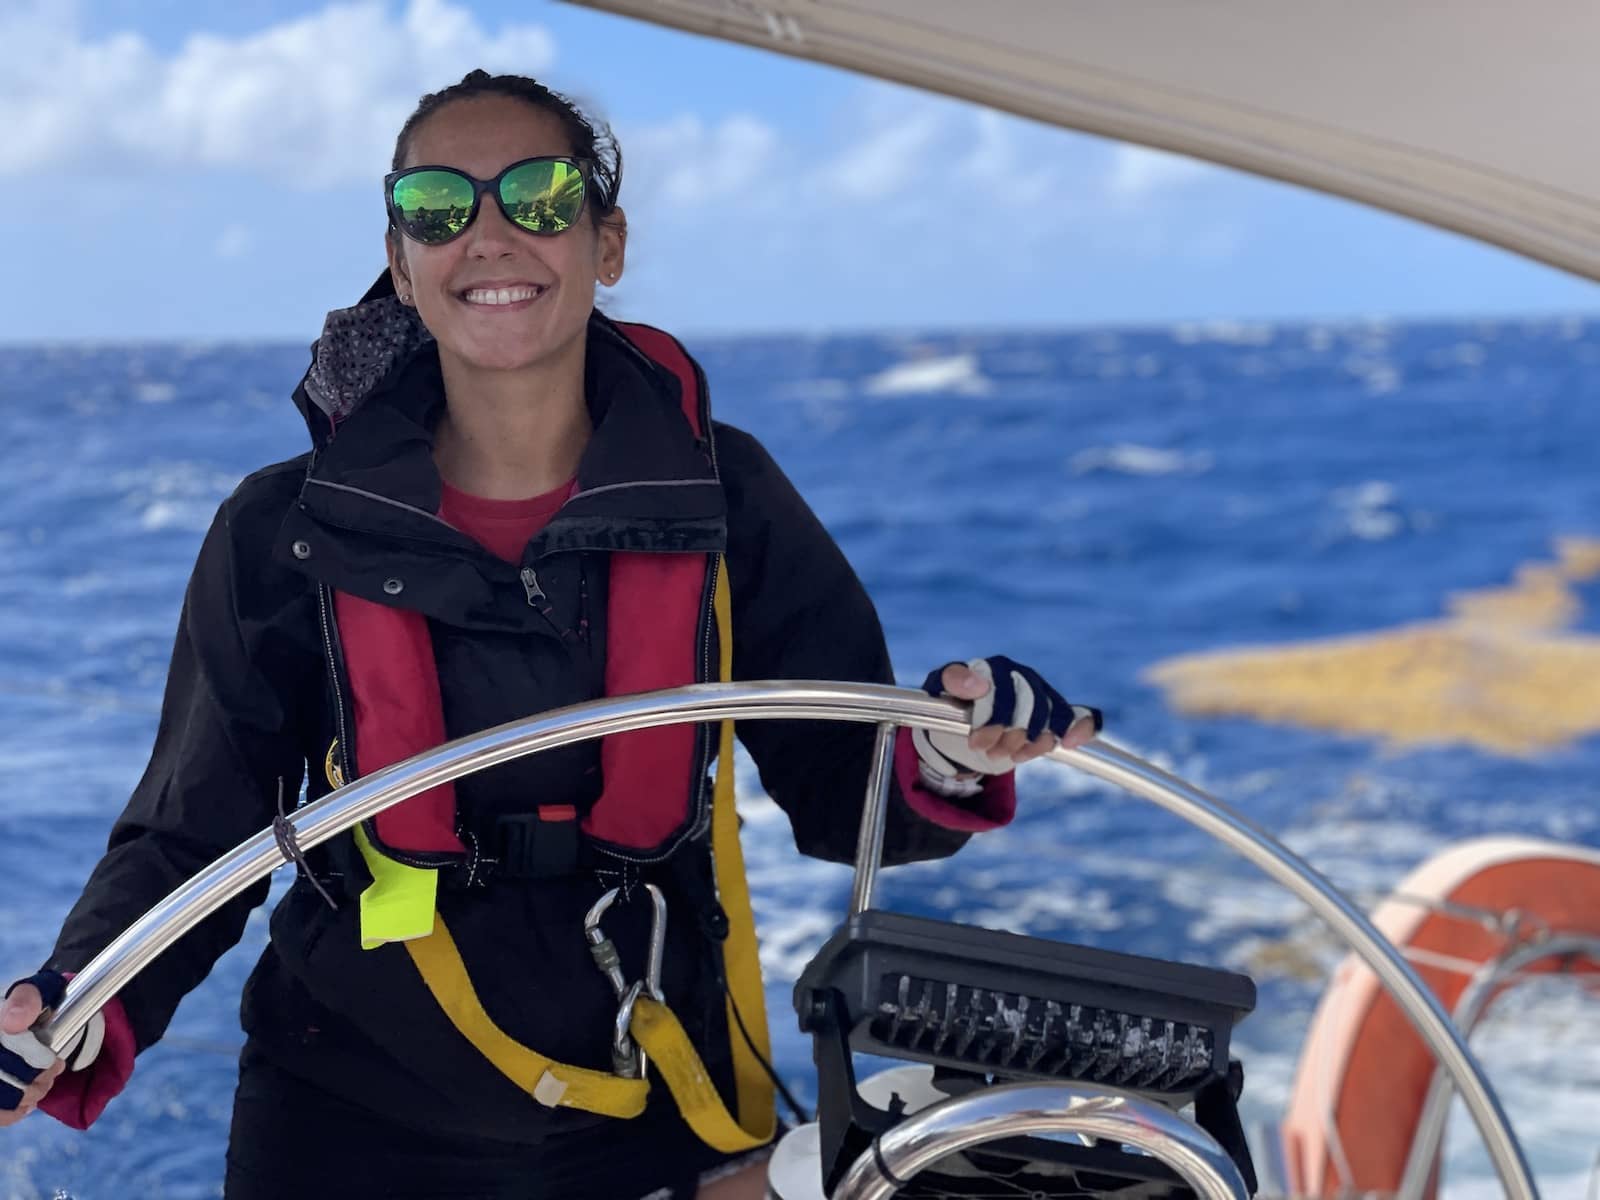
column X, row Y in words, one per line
column 1475, row 115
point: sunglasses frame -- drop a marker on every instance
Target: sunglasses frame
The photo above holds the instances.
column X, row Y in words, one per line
column 479, row 187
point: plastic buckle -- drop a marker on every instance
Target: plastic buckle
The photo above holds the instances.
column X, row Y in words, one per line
column 537, row 845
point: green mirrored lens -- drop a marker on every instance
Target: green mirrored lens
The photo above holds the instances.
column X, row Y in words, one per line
column 433, row 205
column 543, row 197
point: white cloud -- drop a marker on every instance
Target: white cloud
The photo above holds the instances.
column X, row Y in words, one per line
column 692, row 165
column 1138, row 172
column 322, row 96
column 899, row 147
column 886, row 159
column 934, row 187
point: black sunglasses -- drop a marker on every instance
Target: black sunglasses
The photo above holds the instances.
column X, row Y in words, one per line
column 432, row 204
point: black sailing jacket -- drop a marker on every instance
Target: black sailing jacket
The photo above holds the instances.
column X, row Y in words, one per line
column 249, row 709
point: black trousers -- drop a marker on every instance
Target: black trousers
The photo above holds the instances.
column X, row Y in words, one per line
column 292, row 1139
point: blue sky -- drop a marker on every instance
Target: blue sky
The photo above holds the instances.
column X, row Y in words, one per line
column 192, row 171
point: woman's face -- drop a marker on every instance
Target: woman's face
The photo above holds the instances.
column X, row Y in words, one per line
column 454, row 286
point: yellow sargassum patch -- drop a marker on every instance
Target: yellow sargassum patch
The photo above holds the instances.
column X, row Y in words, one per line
column 1497, row 672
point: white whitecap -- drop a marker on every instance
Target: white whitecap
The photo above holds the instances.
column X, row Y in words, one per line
column 86, row 584
column 1369, row 511
column 1227, row 333
column 1370, row 493
column 1129, row 458
column 956, row 374
column 154, row 392
column 177, row 514
column 1320, row 338
column 1380, row 378
column 1374, row 525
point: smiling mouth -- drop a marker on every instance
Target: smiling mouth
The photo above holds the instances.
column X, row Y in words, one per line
column 502, row 297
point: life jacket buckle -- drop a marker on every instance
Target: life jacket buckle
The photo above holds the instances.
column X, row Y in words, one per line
column 538, row 845
column 626, row 1057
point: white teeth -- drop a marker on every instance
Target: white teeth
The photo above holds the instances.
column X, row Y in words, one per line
column 497, row 296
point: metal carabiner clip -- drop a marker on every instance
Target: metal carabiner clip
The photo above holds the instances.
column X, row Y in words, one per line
column 627, row 1059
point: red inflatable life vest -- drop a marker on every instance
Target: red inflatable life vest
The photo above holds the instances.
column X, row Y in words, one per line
column 658, row 606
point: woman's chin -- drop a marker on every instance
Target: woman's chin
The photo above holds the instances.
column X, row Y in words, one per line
column 512, row 350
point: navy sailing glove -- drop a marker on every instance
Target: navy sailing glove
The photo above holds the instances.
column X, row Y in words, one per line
column 23, row 1056
column 1016, row 716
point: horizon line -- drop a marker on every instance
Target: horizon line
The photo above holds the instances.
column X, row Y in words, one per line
column 1113, row 325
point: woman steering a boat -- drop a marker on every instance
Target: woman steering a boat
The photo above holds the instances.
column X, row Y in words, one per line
column 511, row 504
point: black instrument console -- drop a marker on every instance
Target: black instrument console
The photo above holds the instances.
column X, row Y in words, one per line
column 983, row 1007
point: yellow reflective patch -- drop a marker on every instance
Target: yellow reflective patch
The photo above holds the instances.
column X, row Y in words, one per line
column 399, row 904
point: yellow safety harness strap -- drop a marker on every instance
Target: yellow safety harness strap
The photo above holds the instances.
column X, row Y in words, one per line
column 673, row 1057
column 401, row 909
column 554, row 1084
column 747, row 1006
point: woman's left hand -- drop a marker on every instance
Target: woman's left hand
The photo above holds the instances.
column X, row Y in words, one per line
column 1016, row 716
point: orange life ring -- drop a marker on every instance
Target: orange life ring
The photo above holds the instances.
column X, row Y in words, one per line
column 1364, row 1073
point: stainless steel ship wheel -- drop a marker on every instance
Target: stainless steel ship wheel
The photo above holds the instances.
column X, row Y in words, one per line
column 886, row 707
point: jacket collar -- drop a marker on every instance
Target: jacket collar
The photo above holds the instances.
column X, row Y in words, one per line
column 374, row 393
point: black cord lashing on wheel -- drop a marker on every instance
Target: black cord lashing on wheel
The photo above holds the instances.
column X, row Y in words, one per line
column 283, row 833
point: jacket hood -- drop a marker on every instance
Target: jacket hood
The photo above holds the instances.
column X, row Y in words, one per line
column 369, row 500
column 359, row 349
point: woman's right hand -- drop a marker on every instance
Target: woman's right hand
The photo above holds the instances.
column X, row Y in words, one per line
column 22, row 1081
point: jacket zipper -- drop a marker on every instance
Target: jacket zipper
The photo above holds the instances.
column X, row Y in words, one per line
column 536, row 597
column 540, row 602
column 333, row 676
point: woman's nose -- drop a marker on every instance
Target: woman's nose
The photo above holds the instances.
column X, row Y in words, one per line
column 491, row 235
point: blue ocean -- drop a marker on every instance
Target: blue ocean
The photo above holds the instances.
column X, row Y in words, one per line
column 1093, row 502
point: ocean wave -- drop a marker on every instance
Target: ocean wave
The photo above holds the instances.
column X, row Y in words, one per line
column 1379, row 377
column 1129, row 458
column 1046, row 908
column 155, row 392
column 1228, row 333
column 1462, row 354
column 956, row 374
column 1367, row 511
column 173, row 495
column 1320, row 338
column 192, row 516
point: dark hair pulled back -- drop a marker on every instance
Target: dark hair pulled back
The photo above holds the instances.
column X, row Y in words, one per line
column 593, row 143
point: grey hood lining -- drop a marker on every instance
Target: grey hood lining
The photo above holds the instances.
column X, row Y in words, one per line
column 358, row 348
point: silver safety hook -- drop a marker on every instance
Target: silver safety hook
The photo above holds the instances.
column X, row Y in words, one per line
column 626, row 1058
